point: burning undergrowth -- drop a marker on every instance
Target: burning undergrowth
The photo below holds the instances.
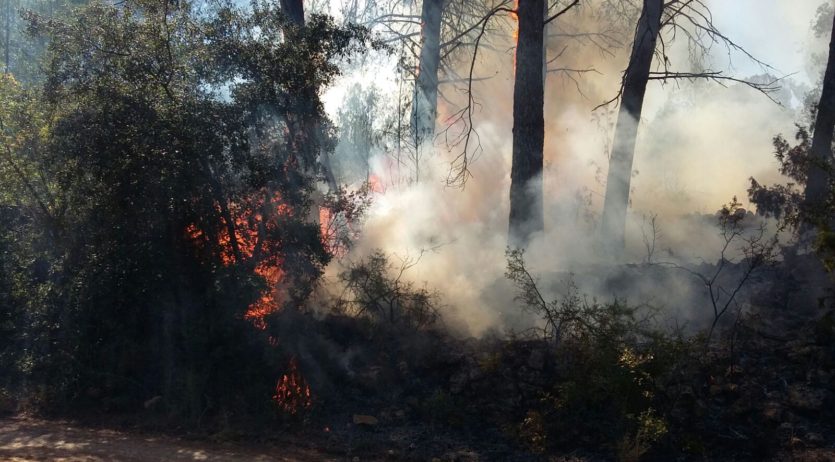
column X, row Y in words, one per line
column 292, row 393
column 190, row 267
column 372, row 359
column 376, row 354
column 247, row 239
column 599, row 376
column 256, row 241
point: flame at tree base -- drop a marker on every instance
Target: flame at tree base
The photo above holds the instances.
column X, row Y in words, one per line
column 292, row 393
column 250, row 237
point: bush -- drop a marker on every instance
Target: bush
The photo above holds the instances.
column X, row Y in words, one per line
column 613, row 368
column 149, row 215
column 376, row 289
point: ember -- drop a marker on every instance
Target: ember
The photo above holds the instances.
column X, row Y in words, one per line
column 292, row 393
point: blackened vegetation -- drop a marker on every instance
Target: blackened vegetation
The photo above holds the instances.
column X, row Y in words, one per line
column 160, row 180
column 600, row 380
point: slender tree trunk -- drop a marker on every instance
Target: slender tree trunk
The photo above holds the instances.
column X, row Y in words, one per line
column 623, row 148
column 8, row 41
column 820, row 169
column 528, row 125
column 544, row 47
column 294, row 9
column 425, row 104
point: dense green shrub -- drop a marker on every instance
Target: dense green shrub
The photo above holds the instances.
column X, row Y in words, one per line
column 148, row 183
column 613, row 369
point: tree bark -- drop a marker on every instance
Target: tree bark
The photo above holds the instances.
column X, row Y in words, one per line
column 820, row 168
column 526, row 215
column 425, row 103
column 294, row 9
column 8, row 44
column 626, row 131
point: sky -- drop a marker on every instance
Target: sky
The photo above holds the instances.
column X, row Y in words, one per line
column 776, row 30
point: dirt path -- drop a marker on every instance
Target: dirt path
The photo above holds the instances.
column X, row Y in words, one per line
column 32, row 440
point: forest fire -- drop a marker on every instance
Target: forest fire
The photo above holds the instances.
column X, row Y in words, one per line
column 252, row 233
column 367, row 236
column 376, row 184
column 269, row 300
column 292, row 393
column 245, row 239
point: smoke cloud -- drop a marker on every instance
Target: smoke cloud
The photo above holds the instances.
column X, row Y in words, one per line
column 698, row 144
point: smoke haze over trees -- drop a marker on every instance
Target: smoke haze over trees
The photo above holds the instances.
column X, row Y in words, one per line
column 438, row 229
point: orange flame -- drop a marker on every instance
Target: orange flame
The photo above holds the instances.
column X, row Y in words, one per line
column 329, row 230
column 375, row 183
column 251, row 230
column 250, row 227
column 292, row 393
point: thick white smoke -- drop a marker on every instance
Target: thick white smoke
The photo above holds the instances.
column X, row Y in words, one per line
column 698, row 145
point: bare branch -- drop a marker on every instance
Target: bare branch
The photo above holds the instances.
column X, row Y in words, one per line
column 459, row 171
column 768, row 89
column 563, row 11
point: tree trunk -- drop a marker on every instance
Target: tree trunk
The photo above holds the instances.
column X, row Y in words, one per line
column 528, row 125
column 294, row 9
column 623, row 149
column 425, row 104
column 820, row 168
column 8, row 41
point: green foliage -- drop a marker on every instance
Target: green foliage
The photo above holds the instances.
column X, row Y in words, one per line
column 649, row 430
column 26, row 200
column 261, row 54
column 613, row 367
column 533, row 431
column 825, row 329
column 132, row 183
column 572, row 318
column 786, row 202
column 21, row 53
column 23, row 126
column 361, row 132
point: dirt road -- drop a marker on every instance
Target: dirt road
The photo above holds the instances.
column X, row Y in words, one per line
column 33, row 440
